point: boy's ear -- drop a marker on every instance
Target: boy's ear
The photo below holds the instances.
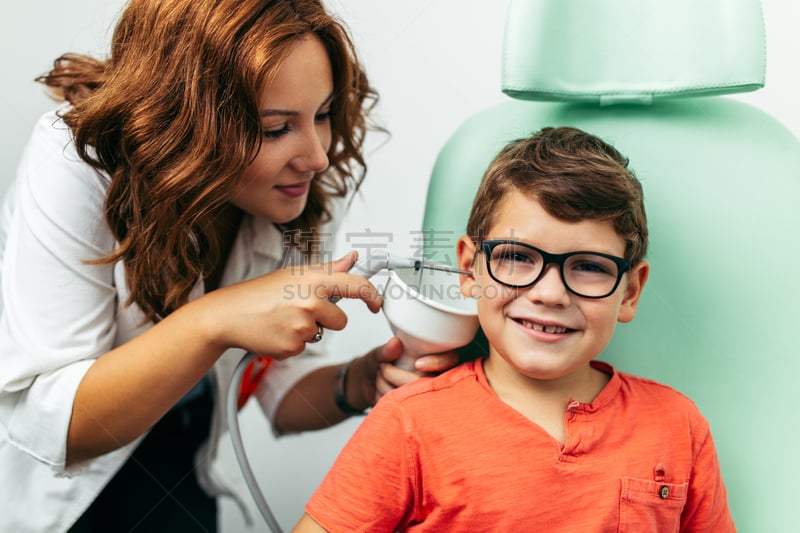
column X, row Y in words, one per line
column 637, row 277
column 465, row 251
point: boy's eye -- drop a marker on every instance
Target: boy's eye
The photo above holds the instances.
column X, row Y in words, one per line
column 593, row 266
column 514, row 264
column 513, row 256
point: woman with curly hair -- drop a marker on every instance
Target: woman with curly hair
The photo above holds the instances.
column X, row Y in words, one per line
column 158, row 217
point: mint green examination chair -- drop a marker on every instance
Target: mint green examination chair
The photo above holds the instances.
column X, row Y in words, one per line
column 722, row 187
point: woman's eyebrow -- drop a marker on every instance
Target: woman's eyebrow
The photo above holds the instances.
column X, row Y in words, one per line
column 291, row 113
column 280, row 112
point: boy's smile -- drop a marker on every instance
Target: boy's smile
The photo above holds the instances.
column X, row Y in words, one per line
column 545, row 332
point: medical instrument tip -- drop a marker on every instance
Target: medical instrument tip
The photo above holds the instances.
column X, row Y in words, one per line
column 418, row 264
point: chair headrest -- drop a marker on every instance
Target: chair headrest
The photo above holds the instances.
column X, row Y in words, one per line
column 612, row 51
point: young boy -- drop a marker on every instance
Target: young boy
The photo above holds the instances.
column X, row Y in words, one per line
column 537, row 436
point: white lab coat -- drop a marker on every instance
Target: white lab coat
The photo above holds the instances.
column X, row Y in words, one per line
column 58, row 314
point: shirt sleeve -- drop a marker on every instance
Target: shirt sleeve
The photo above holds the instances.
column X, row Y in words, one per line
column 370, row 487
column 58, row 312
column 707, row 500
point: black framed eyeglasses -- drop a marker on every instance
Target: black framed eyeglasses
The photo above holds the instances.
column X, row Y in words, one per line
column 587, row 274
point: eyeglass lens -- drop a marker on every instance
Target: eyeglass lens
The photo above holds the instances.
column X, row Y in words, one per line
column 586, row 274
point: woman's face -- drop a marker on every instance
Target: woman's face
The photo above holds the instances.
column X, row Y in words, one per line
column 295, row 119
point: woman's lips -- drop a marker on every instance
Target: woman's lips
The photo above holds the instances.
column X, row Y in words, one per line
column 295, row 189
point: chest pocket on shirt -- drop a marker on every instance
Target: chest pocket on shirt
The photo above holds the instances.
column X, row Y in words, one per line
column 652, row 506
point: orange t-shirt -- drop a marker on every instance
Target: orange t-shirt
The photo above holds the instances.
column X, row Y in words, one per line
column 445, row 454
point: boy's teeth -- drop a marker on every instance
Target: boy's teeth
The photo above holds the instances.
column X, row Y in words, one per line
column 546, row 329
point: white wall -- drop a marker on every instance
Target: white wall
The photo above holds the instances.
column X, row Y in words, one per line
column 435, row 63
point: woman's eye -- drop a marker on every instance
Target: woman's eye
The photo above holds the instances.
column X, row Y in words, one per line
column 276, row 133
column 322, row 117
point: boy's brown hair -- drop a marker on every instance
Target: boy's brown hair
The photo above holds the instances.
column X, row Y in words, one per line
column 574, row 175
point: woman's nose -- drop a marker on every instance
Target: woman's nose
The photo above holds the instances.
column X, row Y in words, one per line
column 313, row 154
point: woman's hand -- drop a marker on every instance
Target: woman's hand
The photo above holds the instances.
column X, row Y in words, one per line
column 275, row 315
column 373, row 375
column 278, row 313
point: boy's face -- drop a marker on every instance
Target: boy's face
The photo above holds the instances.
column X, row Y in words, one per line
column 544, row 331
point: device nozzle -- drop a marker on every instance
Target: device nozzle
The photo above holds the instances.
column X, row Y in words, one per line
column 419, row 264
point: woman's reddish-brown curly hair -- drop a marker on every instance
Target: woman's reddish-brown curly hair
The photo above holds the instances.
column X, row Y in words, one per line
column 172, row 118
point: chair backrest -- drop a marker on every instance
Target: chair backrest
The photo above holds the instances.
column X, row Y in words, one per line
column 722, row 184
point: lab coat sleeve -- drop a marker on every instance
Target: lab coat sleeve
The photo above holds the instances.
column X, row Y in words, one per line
column 58, row 312
column 283, row 375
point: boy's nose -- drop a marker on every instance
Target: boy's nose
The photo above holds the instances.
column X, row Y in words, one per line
column 550, row 289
